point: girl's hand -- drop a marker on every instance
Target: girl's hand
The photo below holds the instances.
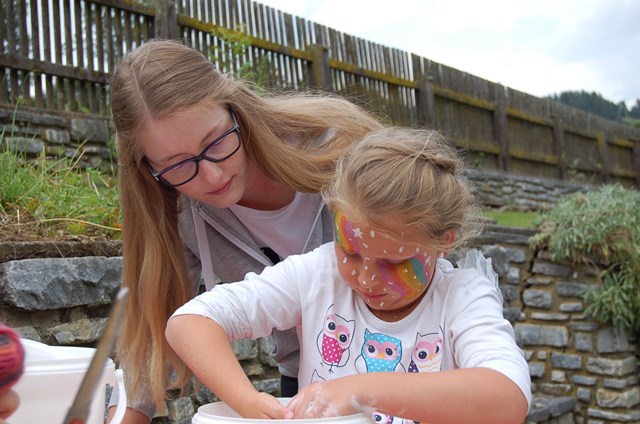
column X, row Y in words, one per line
column 329, row 399
column 263, row 406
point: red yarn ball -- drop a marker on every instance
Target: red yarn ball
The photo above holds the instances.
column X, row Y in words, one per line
column 11, row 358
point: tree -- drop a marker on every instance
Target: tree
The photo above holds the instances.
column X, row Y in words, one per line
column 594, row 103
column 635, row 110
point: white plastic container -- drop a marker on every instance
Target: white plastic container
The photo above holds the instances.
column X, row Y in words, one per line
column 221, row 413
column 50, row 381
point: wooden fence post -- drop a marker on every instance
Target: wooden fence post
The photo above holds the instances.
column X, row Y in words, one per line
column 604, row 156
column 558, row 142
column 636, row 162
column 166, row 20
column 425, row 95
column 500, row 130
column 319, row 68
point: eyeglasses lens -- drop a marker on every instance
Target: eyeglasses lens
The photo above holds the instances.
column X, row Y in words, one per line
column 218, row 151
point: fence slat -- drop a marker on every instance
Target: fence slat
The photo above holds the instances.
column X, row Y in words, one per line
column 4, row 89
column 109, row 42
column 4, row 78
column 89, row 32
column 35, row 49
column 100, row 11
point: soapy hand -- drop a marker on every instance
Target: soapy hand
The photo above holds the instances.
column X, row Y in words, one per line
column 263, row 406
column 328, row 399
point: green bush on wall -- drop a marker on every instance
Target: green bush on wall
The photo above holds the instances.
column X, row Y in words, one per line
column 600, row 227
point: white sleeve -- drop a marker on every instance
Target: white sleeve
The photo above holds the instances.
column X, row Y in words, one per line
column 480, row 335
column 252, row 308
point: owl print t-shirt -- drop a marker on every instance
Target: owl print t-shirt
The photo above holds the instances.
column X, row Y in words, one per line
column 340, row 336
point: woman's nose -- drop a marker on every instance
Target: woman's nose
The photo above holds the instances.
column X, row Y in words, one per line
column 209, row 171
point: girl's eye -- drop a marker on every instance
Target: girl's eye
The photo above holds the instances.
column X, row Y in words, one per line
column 395, row 262
column 349, row 253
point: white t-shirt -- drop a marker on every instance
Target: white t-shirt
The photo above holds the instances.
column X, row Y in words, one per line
column 458, row 323
column 286, row 228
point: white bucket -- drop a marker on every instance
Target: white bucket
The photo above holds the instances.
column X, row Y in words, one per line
column 51, row 379
column 221, row 413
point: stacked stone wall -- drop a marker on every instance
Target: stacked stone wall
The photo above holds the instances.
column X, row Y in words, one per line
column 87, row 138
column 582, row 371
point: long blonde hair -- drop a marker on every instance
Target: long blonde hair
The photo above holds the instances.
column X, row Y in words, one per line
column 158, row 79
column 408, row 177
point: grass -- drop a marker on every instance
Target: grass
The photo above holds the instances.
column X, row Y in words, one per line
column 519, row 219
column 43, row 198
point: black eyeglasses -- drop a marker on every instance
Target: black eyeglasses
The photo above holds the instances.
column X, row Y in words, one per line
column 220, row 149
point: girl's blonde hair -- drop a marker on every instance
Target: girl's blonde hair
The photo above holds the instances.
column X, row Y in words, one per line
column 408, row 181
column 279, row 133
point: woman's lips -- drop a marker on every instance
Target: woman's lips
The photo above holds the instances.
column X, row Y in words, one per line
column 221, row 190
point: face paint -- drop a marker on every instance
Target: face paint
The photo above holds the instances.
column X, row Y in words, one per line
column 407, row 278
column 345, row 234
column 387, row 273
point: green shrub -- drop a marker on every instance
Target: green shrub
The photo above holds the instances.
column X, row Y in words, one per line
column 600, row 227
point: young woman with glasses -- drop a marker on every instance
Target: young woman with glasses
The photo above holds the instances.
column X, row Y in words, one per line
column 217, row 181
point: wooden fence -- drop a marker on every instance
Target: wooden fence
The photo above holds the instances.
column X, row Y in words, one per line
column 58, row 54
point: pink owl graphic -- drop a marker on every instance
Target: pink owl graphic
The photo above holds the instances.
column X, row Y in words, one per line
column 427, row 353
column 334, row 339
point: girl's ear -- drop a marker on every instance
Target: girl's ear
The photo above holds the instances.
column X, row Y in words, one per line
column 448, row 238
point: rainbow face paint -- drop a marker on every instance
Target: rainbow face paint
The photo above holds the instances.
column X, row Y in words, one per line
column 407, row 277
column 389, row 274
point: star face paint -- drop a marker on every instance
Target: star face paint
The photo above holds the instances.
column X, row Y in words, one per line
column 389, row 274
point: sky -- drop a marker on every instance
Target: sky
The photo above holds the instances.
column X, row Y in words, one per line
column 540, row 47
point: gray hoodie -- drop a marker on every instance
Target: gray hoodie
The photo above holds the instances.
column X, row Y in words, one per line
column 232, row 253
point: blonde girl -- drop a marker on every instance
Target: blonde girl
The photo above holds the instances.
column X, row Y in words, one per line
column 387, row 325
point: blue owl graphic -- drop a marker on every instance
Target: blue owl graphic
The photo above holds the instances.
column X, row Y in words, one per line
column 381, row 352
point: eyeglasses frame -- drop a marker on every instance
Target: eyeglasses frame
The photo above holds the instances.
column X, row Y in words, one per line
column 197, row 159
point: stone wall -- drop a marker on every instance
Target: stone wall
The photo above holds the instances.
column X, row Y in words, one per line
column 496, row 189
column 582, row 371
column 59, row 134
